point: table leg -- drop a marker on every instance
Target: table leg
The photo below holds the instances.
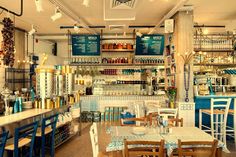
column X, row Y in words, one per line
column 219, row 152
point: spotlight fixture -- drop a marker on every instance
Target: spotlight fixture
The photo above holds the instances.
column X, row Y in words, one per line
column 76, row 28
column 86, row 3
column 32, row 31
column 57, row 14
column 139, row 34
column 38, row 4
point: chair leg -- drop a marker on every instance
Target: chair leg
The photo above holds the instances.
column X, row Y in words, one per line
column 200, row 119
column 234, row 125
column 212, row 125
column 217, row 127
column 223, row 131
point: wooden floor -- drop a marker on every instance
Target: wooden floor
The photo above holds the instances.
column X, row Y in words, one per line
column 80, row 146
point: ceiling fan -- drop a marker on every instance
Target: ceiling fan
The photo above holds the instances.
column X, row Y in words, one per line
column 123, row 1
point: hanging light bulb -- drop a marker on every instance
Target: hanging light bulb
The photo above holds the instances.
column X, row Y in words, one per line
column 205, row 31
column 234, row 31
column 57, row 14
column 139, row 34
column 86, row 3
column 76, row 28
column 124, row 34
column 32, row 31
column 38, row 4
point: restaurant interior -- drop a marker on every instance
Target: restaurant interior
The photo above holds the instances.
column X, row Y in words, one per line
column 117, row 78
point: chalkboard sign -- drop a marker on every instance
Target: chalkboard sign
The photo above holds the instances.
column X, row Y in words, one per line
column 150, row 45
column 85, row 45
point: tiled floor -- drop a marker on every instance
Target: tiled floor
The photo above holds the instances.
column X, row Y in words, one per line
column 80, row 146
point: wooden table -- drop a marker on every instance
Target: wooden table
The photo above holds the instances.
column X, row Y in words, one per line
column 17, row 117
column 119, row 133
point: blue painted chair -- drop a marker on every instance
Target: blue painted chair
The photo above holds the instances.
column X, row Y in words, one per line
column 24, row 136
column 3, row 139
column 48, row 127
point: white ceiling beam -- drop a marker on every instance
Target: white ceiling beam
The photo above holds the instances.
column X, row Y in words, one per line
column 171, row 13
column 71, row 14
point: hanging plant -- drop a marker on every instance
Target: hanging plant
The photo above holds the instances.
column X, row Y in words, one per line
column 8, row 42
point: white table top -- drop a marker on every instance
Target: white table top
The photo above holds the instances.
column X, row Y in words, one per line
column 5, row 120
column 119, row 133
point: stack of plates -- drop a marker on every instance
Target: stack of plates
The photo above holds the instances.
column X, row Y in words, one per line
column 139, row 130
column 27, row 105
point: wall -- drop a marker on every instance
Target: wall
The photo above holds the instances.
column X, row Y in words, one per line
column 41, row 47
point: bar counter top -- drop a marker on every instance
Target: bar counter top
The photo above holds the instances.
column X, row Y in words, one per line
column 218, row 95
column 16, row 117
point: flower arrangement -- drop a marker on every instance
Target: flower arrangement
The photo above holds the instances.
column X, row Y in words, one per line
column 8, row 42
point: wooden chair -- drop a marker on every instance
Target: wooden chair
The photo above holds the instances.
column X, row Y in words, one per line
column 176, row 122
column 94, row 141
column 218, row 114
column 152, row 117
column 21, row 139
column 135, row 120
column 3, row 139
column 167, row 113
column 48, row 128
column 197, row 148
column 148, row 148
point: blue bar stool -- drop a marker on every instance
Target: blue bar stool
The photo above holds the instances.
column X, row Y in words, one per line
column 3, row 139
column 24, row 136
column 48, row 127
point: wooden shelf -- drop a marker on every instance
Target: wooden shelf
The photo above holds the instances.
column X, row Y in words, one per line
column 214, row 64
column 117, row 50
column 117, row 64
column 118, row 39
column 213, row 50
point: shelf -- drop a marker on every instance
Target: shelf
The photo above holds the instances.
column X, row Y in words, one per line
column 213, row 50
column 117, row 64
column 117, row 50
column 214, row 64
column 118, row 39
column 170, row 74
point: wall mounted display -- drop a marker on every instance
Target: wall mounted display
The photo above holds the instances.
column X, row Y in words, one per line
column 85, row 45
column 150, row 45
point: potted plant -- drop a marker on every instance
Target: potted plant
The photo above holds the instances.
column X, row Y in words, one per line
column 171, row 93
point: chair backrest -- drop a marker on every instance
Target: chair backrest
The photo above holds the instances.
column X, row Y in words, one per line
column 3, row 140
column 152, row 117
column 94, row 139
column 222, row 105
column 177, row 122
column 147, row 148
column 167, row 113
column 50, row 121
column 136, row 120
column 23, row 132
column 203, row 148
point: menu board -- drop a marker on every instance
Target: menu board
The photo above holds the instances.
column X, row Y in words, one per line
column 85, row 45
column 150, row 45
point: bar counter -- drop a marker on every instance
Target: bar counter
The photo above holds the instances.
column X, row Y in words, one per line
column 204, row 102
column 17, row 117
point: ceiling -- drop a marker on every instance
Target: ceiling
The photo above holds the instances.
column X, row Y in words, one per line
column 100, row 13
